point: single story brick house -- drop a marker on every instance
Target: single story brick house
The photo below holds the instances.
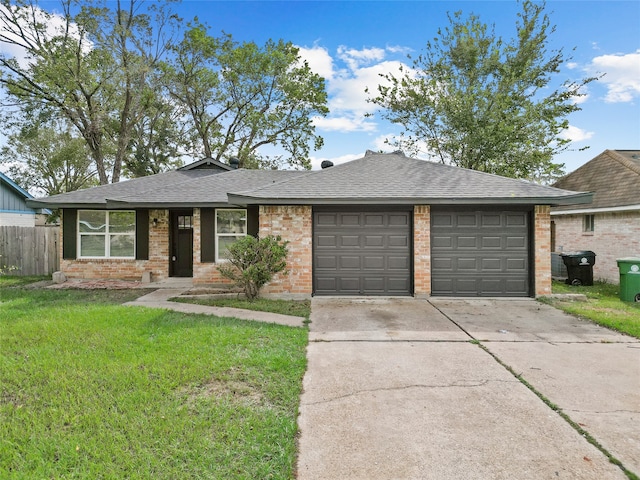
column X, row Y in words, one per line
column 610, row 225
column 384, row 224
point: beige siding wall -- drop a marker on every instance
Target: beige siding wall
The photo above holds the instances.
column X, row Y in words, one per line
column 616, row 235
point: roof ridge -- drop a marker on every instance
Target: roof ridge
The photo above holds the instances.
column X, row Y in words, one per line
column 624, row 161
column 278, row 182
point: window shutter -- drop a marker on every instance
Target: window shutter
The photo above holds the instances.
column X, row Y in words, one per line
column 69, row 234
column 142, row 234
column 253, row 220
column 207, row 235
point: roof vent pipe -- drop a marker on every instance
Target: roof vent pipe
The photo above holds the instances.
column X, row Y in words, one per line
column 234, row 162
column 326, row 164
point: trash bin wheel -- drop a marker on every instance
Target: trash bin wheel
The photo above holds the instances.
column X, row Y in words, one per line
column 576, row 282
column 637, row 297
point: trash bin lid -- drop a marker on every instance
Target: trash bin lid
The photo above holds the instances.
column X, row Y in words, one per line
column 579, row 253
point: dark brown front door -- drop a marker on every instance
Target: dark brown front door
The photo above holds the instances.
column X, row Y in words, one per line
column 181, row 255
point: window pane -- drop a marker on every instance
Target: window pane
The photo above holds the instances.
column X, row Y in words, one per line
column 92, row 221
column 231, row 221
column 122, row 245
column 92, row 246
column 223, row 244
column 122, row 222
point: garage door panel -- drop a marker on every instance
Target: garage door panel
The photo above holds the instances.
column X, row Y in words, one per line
column 327, row 219
column 349, row 219
column 398, row 241
column 467, row 264
column 480, row 253
column 371, row 262
column 326, row 241
column 399, row 263
column 441, row 242
column 373, row 220
column 373, row 241
column 326, row 262
column 491, row 242
column 467, row 242
column 399, row 220
column 366, row 253
column 515, row 220
column 349, row 262
column 519, row 242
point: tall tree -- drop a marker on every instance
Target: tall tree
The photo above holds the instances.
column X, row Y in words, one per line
column 241, row 97
column 484, row 103
column 48, row 159
column 90, row 65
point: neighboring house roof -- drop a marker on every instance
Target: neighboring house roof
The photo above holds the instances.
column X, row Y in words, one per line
column 393, row 178
column 374, row 179
column 13, row 198
column 613, row 177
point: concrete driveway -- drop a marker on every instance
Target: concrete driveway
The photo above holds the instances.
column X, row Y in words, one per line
column 414, row 389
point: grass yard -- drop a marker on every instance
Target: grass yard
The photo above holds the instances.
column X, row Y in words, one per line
column 297, row 308
column 92, row 389
column 603, row 306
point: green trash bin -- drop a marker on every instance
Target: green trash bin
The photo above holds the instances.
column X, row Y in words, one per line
column 629, row 279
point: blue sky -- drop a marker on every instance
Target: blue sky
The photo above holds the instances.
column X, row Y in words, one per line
column 349, row 43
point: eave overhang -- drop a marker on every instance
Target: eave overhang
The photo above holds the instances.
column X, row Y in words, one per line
column 578, row 198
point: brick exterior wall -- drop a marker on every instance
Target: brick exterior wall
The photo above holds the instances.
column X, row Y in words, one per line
column 422, row 250
column 542, row 249
column 127, row 269
column 295, row 224
column 616, row 235
column 203, row 273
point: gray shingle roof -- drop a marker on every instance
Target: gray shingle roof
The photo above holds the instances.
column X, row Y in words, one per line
column 394, row 178
column 613, row 176
column 179, row 188
column 374, row 179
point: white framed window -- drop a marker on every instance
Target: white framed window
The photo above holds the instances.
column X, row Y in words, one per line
column 589, row 223
column 106, row 234
column 231, row 225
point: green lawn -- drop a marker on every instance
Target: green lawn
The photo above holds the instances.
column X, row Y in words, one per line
column 603, row 306
column 297, row 308
column 92, row 389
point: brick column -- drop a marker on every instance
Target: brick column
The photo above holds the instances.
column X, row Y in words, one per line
column 422, row 250
column 542, row 249
column 294, row 224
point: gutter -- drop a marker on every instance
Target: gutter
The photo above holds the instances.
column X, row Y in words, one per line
column 578, row 211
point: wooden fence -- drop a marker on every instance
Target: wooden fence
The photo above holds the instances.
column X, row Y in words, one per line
column 32, row 250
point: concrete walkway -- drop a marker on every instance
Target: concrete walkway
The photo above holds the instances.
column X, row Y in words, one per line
column 160, row 299
column 410, row 389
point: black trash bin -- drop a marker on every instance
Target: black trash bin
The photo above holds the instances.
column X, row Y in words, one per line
column 579, row 267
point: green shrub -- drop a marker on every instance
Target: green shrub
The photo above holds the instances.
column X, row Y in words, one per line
column 254, row 261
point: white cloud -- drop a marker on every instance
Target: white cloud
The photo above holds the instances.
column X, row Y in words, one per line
column 348, row 73
column 622, row 75
column 355, row 58
column 344, row 124
column 319, row 60
column 576, row 134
